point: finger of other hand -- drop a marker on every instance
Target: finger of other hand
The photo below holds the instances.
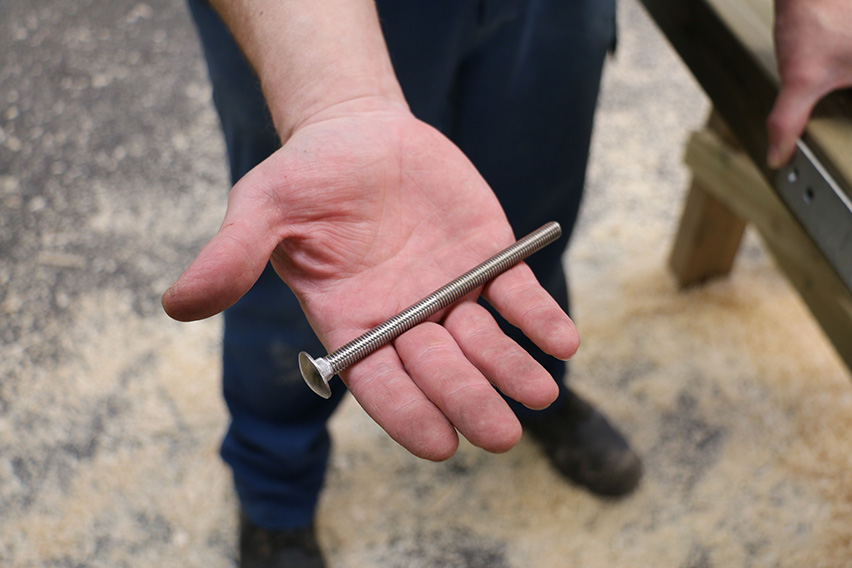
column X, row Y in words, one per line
column 787, row 121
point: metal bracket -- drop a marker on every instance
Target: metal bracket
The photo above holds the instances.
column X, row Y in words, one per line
column 821, row 206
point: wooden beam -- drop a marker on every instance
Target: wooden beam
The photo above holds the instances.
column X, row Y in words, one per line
column 728, row 47
column 734, row 180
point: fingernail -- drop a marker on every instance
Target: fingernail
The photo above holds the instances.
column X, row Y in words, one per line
column 773, row 158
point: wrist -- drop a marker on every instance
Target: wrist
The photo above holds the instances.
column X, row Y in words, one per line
column 313, row 55
column 319, row 100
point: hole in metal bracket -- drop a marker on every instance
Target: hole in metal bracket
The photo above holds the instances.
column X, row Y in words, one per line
column 793, row 175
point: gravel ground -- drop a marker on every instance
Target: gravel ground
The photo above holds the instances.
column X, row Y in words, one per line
column 112, row 177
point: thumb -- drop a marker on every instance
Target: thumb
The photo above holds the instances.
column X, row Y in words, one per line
column 787, row 121
column 226, row 268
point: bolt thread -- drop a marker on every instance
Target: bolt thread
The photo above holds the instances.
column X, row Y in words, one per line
column 392, row 328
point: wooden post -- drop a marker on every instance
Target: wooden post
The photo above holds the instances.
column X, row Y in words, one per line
column 710, row 233
column 708, row 238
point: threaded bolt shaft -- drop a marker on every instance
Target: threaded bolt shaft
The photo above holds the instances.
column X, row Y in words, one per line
column 317, row 372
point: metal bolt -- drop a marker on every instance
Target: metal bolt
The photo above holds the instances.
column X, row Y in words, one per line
column 317, row 372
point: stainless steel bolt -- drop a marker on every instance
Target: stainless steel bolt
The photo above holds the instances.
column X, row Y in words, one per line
column 317, row 372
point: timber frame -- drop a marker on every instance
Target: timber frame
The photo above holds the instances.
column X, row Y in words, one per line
column 727, row 45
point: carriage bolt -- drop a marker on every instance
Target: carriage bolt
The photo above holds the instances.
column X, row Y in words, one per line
column 317, row 372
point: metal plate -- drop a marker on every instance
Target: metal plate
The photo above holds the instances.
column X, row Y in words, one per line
column 821, row 206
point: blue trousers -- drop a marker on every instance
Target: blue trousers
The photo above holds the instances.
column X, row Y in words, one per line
column 514, row 84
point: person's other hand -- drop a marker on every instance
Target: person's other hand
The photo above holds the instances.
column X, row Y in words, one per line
column 364, row 212
column 813, row 42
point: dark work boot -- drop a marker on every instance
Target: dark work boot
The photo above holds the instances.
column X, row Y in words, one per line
column 585, row 448
column 292, row 548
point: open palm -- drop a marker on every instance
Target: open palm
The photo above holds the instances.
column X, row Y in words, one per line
column 362, row 214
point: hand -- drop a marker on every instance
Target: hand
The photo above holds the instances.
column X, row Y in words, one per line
column 813, row 40
column 363, row 212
